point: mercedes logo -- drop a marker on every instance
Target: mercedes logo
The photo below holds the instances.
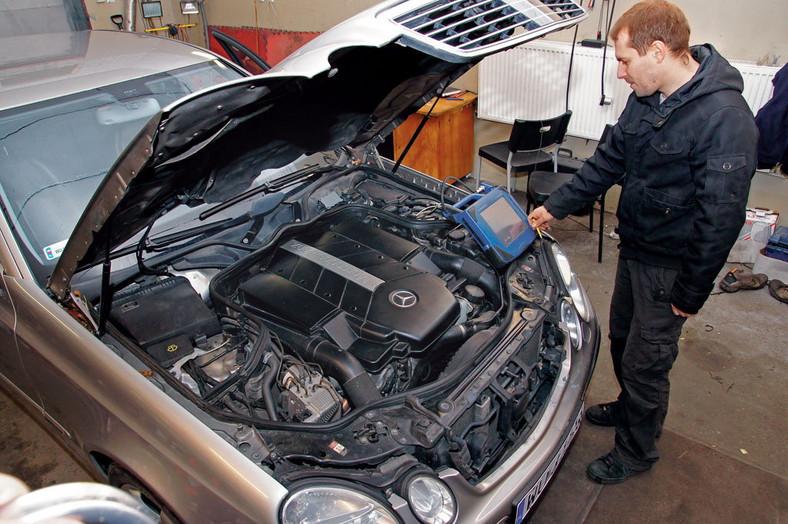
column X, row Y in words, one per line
column 403, row 298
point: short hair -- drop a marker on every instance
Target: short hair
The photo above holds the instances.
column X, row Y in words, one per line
column 653, row 20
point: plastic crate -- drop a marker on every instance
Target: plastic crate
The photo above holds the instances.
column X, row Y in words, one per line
column 779, row 238
column 778, row 252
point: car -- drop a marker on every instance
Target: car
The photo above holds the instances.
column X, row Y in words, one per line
column 225, row 302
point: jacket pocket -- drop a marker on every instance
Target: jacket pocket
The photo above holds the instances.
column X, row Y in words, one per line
column 665, row 220
column 666, row 144
column 726, row 179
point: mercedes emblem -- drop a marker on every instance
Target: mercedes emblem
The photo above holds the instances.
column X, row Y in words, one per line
column 403, row 298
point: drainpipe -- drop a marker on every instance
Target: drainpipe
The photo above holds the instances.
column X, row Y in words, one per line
column 204, row 23
column 130, row 15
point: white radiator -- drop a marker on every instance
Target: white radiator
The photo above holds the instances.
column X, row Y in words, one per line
column 529, row 82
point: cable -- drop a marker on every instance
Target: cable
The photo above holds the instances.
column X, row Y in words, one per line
column 571, row 61
column 444, row 183
column 604, row 50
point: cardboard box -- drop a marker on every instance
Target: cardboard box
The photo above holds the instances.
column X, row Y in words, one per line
column 758, row 227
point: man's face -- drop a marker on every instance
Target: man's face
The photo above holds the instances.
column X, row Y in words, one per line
column 640, row 72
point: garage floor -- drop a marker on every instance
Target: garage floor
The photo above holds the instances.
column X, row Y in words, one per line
column 724, row 456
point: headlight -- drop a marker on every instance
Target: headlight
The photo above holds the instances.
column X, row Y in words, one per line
column 312, row 504
column 569, row 317
column 576, row 291
column 431, row 500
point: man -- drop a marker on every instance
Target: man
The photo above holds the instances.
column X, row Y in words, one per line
column 684, row 152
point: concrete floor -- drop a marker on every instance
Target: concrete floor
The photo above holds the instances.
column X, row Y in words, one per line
column 723, row 449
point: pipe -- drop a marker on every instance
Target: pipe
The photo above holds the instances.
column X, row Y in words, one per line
column 131, row 17
column 472, row 271
column 346, row 369
column 337, row 363
column 204, row 18
column 270, row 375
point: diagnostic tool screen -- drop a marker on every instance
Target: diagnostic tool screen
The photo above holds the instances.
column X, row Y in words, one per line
column 504, row 221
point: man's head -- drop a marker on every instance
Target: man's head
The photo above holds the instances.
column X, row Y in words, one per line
column 649, row 38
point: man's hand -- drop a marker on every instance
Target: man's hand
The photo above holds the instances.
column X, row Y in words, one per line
column 540, row 217
column 680, row 313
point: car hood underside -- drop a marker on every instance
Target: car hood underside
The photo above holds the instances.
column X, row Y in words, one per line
column 212, row 145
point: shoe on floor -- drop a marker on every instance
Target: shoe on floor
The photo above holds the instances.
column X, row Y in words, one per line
column 779, row 290
column 735, row 280
column 608, row 470
column 602, row 414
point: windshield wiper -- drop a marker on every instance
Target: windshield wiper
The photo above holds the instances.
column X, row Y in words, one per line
column 165, row 240
column 276, row 185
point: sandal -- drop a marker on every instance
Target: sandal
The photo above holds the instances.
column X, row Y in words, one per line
column 779, row 290
column 736, row 280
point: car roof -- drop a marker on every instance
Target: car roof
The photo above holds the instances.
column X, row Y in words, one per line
column 44, row 66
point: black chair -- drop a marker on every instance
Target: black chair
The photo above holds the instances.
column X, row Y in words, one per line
column 532, row 144
column 541, row 185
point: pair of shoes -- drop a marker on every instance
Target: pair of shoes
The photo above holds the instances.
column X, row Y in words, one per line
column 736, row 280
column 608, row 470
column 779, row 290
column 603, row 414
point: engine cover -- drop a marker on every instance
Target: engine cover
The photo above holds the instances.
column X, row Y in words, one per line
column 355, row 285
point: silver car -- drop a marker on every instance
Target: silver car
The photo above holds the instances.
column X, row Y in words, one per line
column 230, row 306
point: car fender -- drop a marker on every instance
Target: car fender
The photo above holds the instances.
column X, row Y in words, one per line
column 125, row 416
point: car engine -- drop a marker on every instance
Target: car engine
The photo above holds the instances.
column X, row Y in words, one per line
column 356, row 309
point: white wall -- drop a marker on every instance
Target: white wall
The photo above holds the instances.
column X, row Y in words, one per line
column 740, row 30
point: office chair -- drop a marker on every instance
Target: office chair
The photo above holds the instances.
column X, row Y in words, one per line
column 532, row 144
column 541, row 185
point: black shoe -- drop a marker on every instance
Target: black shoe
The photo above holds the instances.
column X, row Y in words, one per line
column 603, row 414
column 608, row 470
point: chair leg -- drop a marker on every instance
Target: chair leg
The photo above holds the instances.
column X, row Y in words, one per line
column 479, row 173
column 509, row 178
column 591, row 219
column 601, row 227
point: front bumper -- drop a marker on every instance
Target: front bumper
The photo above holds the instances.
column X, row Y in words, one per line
column 512, row 488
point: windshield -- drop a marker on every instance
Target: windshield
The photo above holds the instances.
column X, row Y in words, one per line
column 54, row 154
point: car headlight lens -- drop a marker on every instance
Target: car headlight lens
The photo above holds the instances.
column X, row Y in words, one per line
column 576, row 291
column 569, row 317
column 312, row 504
column 431, row 500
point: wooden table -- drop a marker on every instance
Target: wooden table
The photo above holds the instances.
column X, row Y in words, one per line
column 444, row 147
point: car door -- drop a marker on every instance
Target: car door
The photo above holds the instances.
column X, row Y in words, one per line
column 240, row 54
column 12, row 369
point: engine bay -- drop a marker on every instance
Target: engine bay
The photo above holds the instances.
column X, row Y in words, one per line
column 380, row 303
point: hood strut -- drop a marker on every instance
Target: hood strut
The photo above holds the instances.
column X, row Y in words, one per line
column 105, row 295
column 418, row 131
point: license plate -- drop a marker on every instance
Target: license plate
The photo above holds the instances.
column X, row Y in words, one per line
column 530, row 498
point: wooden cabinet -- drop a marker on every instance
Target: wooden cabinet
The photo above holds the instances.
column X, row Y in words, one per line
column 444, row 147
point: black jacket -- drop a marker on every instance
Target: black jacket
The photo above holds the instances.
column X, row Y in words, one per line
column 685, row 167
column 772, row 122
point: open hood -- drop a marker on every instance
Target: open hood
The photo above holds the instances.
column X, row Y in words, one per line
column 350, row 86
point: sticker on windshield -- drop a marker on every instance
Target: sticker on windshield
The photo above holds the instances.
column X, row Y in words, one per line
column 53, row 251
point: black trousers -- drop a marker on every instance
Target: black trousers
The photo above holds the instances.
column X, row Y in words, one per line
column 644, row 334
